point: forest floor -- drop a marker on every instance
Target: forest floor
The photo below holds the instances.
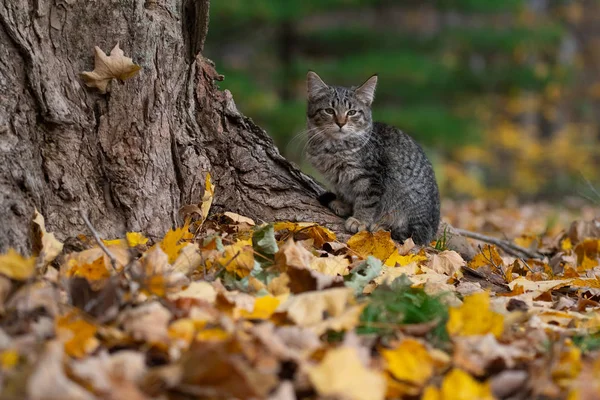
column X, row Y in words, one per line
column 225, row 308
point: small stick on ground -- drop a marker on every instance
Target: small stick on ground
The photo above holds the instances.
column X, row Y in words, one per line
column 112, row 258
column 505, row 245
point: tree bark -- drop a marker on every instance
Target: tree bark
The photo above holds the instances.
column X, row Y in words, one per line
column 129, row 158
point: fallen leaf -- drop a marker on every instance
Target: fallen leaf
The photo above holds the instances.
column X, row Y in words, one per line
column 332, row 265
column 395, row 259
column 458, row 385
column 200, row 290
column 223, row 372
column 207, row 198
column 379, row 244
column 364, row 273
column 291, row 254
column 15, row 266
column 78, row 335
column 341, row 374
column 239, row 219
column 474, row 317
column 155, row 275
column 410, row 362
column 447, row 262
column 264, row 243
column 132, row 239
column 322, row 310
column 104, row 372
column 174, row 241
column 264, row 307
column 45, row 245
column 9, row 359
column 148, row 322
column 319, row 234
column 189, row 260
column 237, row 258
column 488, row 256
column 49, row 381
column 476, row 353
column 107, row 68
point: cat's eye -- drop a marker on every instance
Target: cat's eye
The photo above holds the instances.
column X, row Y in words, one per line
column 351, row 112
column 329, row 111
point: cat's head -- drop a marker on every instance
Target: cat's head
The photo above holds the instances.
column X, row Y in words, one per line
column 339, row 112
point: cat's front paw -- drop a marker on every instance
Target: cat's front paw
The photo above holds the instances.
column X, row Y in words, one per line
column 340, row 208
column 354, row 225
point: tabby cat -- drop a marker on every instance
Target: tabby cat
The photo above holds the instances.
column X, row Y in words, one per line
column 381, row 177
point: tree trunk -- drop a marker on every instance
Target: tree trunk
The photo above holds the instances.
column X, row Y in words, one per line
column 129, row 158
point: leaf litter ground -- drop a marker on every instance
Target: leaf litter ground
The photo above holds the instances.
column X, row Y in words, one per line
column 224, row 308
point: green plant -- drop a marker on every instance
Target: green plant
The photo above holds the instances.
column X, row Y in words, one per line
column 399, row 304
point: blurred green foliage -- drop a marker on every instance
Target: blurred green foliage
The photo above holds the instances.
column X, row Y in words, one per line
column 264, row 49
column 452, row 73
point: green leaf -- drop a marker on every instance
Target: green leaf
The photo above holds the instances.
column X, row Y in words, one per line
column 363, row 274
column 264, row 243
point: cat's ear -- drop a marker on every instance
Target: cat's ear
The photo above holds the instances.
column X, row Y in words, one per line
column 366, row 91
column 315, row 87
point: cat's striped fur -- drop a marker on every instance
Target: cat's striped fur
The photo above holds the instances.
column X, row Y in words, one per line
column 380, row 175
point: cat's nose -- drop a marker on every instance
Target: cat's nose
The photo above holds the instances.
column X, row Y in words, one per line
column 340, row 123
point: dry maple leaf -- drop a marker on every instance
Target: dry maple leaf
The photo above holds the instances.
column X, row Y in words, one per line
column 107, row 68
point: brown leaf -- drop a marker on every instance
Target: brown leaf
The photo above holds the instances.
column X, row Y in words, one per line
column 49, row 381
column 113, row 374
column 107, row 68
column 222, row 372
column 45, row 245
column 447, row 262
column 148, row 322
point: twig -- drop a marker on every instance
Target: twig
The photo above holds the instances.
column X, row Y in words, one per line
column 505, row 245
column 111, row 257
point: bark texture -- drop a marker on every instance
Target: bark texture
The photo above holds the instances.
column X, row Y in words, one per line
column 132, row 157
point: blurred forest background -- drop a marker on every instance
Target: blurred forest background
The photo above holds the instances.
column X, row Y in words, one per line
column 504, row 94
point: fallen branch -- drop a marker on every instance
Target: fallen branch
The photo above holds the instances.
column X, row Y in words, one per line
column 112, row 258
column 505, row 245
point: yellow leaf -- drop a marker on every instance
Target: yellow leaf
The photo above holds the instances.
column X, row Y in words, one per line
column 264, row 307
column 136, row 239
column 379, row 244
column 566, row 244
column 209, row 192
column 94, row 271
column 15, row 266
column 238, row 258
column 458, row 385
column 45, row 244
column 487, row 256
column 107, row 68
column 319, row 234
column 77, row 334
column 410, row 362
column 474, row 317
column 395, row 259
column 212, row 335
column 174, row 241
column 342, row 375
column 568, row 366
column 183, row 330
column 8, row 359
